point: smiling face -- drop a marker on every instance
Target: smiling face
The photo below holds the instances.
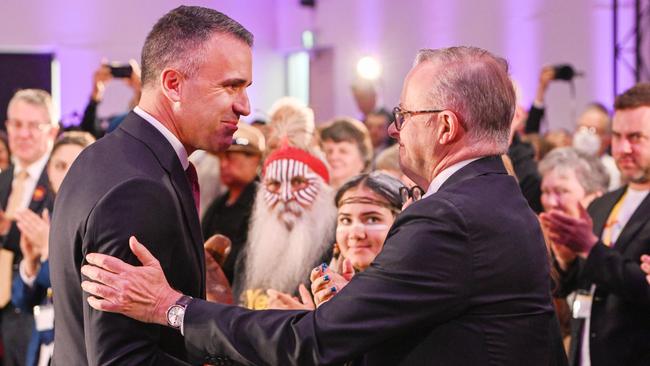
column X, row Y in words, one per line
column 30, row 133
column 362, row 227
column 344, row 158
column 562, row 190
column 211, row 102
column 417, row 138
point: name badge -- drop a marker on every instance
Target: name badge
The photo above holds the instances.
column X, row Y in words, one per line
column 582, row 305
column 44, row 317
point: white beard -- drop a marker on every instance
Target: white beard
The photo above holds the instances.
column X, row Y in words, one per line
column 281, row 258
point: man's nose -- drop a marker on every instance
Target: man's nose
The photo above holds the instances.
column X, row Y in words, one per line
column 392, row 131
column 242, row 106
column 625, row 146
column 285, row 192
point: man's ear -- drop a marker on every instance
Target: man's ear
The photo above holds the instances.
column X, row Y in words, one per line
column 449, row 127
column 171, row 81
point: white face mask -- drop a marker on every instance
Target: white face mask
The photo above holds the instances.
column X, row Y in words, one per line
column 586, row 141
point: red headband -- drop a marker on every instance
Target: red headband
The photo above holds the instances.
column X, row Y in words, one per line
column 294, row 153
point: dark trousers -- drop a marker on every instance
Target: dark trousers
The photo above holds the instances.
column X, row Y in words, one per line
column 16, row 327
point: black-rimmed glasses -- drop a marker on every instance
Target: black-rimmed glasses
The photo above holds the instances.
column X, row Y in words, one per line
column 414, row 192
column 401, row 114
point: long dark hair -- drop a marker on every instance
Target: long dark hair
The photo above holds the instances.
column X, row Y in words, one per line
column 382, row 184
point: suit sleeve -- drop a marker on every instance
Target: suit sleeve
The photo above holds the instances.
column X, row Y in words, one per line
column 25, row 297
column 610, row 270
column 421, row 278
column 145, row 209
column 534, row 120
column 568, row 280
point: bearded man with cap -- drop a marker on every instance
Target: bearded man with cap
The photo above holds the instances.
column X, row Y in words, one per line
column 229, row 213
column 292, row 226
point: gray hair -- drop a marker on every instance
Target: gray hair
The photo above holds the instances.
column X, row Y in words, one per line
column 178, row 39
column 474, row 84
column 589, row 170
column 37, row 98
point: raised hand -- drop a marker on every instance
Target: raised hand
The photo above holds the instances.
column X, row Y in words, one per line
column 35, row 229
column 217, row 287
column 576, row 233
column 326, row 283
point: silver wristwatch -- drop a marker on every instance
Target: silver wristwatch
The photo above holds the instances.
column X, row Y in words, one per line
column 176, row 312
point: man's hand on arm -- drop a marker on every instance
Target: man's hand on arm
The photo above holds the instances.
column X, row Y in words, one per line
column 141, row 292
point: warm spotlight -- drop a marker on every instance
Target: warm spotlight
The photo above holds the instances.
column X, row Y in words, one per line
column 369, row 68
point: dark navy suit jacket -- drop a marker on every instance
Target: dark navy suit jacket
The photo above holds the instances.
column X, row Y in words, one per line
column 620, row 315
column 463, row 279
column 130, row 182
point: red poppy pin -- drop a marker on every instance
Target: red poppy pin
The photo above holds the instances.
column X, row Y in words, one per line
column 39, row 194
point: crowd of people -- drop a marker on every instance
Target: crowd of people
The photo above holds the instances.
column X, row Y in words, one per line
column 446, row 232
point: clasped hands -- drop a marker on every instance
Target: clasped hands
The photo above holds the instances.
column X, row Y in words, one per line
column 569, row 230
column 326, row 281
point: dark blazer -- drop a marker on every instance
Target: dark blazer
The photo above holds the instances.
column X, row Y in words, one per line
column 463, row 279
column 42, row 198
column 620, row 319
column 128, row 183
column 25, row 298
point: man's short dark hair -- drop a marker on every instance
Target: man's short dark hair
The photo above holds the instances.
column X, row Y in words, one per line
column 178, row 39
column 388, row 116
column 635, row 97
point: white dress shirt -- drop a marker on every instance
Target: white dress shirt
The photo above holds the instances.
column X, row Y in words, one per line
column 442, row 177
column 173, row 140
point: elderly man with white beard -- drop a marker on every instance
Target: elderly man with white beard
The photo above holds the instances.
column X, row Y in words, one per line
column 292, row 226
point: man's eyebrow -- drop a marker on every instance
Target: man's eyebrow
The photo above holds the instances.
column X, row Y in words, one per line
column 237, row 82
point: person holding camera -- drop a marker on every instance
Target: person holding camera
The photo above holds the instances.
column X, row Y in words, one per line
column 593, row 127
column 130, row 73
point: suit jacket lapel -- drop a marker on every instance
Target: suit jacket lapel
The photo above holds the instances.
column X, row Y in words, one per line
column 137, row 127
column 638, row 219
column 42, row 197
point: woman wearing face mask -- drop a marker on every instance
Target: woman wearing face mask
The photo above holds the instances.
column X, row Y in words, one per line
column 32, row 289
column 367, row 206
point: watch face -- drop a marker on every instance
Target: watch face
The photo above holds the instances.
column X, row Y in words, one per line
column 175, row 315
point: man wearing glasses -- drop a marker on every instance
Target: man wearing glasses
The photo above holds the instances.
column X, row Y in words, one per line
column 31, row 128
column 463, row 277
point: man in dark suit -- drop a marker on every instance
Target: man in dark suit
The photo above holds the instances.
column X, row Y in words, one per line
column 463, row 277
column 31, row 128
column 196, row 65
column 611, row 323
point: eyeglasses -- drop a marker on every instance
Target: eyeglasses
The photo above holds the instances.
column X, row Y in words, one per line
column 414, row 192
column 401, row 114
column 15, row 125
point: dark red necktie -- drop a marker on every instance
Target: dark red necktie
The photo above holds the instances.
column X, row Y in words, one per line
column 193, row 178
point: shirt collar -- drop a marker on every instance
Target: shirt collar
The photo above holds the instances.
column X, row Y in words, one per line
column 442, row 177
column 173, row 140
column 35, row 169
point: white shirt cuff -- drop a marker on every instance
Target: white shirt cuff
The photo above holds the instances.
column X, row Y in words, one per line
column 29, row 281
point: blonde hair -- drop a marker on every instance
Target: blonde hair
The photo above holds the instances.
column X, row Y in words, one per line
column 38, row 98
column 291, row 120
